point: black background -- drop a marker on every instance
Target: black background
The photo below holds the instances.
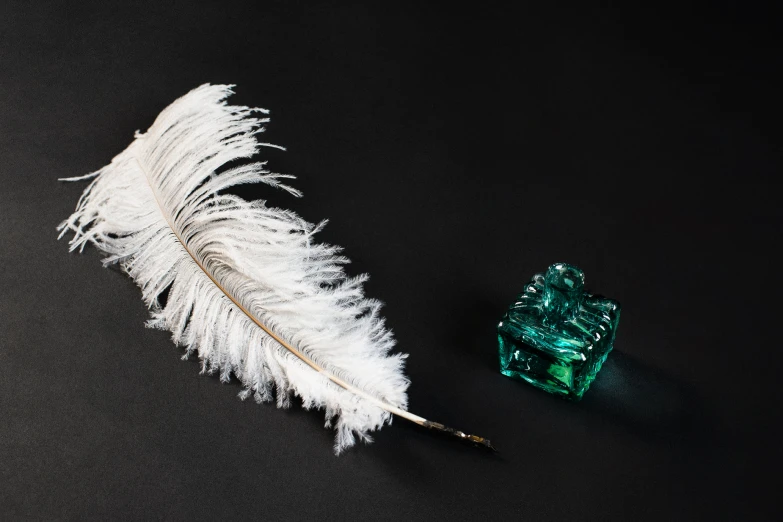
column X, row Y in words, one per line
column 456, row 152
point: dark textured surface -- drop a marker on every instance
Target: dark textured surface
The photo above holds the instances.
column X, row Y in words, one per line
column 455, row 154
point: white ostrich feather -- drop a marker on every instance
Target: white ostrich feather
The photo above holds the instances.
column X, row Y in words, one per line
column 249, row 290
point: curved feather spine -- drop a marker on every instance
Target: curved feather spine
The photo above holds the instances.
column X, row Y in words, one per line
column 388, row 407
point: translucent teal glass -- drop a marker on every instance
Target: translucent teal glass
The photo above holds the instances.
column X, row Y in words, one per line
column 556, row 336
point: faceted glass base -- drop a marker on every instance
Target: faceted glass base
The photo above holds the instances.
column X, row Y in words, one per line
column 569, row 379
column 558, row 346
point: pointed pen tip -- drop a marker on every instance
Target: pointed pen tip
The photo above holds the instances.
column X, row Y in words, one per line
column 473, row 439
column 481, row 441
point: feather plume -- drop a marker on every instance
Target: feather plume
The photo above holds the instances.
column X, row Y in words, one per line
column 249, row 290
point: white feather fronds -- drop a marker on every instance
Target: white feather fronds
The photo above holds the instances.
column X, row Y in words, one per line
column 239, row 274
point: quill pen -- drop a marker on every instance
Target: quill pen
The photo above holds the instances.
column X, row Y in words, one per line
column 249, row 290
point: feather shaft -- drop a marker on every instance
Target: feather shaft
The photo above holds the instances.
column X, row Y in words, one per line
column 386, row 406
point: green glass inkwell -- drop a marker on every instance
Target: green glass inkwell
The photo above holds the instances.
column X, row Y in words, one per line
column 556, row 336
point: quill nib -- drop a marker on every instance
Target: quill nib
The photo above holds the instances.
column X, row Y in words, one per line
column 472, row 439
